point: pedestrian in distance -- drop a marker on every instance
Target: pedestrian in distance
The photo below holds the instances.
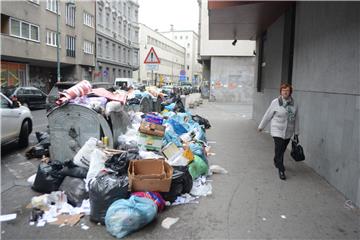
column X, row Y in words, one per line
column 284, row 123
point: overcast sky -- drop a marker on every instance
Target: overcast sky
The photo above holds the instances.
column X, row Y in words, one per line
column 159, row 14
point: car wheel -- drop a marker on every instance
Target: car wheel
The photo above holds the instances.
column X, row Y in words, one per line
column 24, row 135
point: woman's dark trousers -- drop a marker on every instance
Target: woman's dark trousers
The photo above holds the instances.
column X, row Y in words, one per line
column 280, row 147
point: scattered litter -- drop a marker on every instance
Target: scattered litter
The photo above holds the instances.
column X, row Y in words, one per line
column 167, row 222
column 7, row 217
column 185, row 199
column 211, row 142
column 264, row 219
column 31, row 223
column 41, row 223
column 70, row 220
column 84, row 227
column 218, row 169
column 211, row 154
column 283, row 216
column 31, row 179
column 349, row 204
column 2, row 232
column 201, row 187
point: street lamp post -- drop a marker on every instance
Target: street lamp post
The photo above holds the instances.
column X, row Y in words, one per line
column 57, row 41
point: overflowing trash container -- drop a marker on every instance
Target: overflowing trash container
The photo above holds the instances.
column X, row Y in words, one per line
column 120, row 158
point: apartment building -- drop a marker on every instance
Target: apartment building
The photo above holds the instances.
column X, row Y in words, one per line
column 117, row 39
column 190, row 41
column 171, row 55
column 29, row 42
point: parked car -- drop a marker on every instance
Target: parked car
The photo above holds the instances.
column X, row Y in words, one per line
column 61, row 86
column 16, row 122
column 30, row 97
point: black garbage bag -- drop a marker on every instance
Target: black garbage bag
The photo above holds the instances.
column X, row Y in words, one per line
column 120, row 162
column 72, row 170
column 103, row 191
column 75, row 190
column 40, row 136
column 130, row 147
column 37, row 151
column 133, row 101
column 181, row 183
column 201, row 121
column 48, row 177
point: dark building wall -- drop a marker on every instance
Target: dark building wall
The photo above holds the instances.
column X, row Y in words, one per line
column 326, row 81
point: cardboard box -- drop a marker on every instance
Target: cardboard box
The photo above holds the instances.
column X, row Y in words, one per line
column 150, row 175
column 152, row 129
column 150, row 142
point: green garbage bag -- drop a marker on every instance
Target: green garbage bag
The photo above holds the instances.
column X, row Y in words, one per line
column 198, row 167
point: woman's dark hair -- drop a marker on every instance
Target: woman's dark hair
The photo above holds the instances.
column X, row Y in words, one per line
column 286, row 85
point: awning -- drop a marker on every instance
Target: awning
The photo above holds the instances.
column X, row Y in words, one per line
column 242, row 20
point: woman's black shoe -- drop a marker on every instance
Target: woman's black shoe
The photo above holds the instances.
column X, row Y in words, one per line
column 282, row 175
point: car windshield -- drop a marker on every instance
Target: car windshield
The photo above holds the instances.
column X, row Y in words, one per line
column 8, row 91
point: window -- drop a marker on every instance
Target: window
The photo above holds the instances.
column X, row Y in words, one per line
column 180, row 37
column 188, row 45
column 136, row 16
column 99, row 49
column 129, row 13
column 24, row 30
column 119, row 28
column 188, row 55
column 88, row 47
column 107, row 50
column 51, row 38
column 114, row 52
column 124, row 9
column 187, row 67
column 107, row 20
column 100, row 17
column 70, row 46
column 186, row 37
column 52, row 5
column 88, row 19
column 119, row 54
column 124, row 55
column 129, row 32
column 70, row 15
column 114, row 25
column 128, row 56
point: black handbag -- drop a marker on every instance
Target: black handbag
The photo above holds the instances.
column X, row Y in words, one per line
column 297, row 151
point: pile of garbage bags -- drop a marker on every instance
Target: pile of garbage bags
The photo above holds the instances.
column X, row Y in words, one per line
column 168, row 148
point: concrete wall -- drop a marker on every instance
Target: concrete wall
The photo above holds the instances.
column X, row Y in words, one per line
column 326, row 83
column 326, row 76
column 220, row 47
column 232, row 79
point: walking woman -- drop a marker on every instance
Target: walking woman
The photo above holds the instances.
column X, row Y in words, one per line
column 283, row 117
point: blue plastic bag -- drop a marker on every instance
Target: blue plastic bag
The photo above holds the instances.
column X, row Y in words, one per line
column 178, row 128
column 128, row 215
column 171, row 136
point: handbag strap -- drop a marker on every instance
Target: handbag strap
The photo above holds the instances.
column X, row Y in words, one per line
column 296, row 138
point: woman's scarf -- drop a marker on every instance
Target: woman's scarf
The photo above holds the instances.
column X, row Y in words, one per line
column 288, row 105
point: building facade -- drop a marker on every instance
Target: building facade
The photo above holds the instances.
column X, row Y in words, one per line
column 315, row 47
column 117, row 39
column 228, row 69
column 190, row 41
column 29, row 42
column 171, row 55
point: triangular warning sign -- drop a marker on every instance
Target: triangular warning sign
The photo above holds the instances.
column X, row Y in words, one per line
column 152, row 57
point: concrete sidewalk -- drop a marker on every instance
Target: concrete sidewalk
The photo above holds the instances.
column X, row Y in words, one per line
column 250, row 202
column 255, row 202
